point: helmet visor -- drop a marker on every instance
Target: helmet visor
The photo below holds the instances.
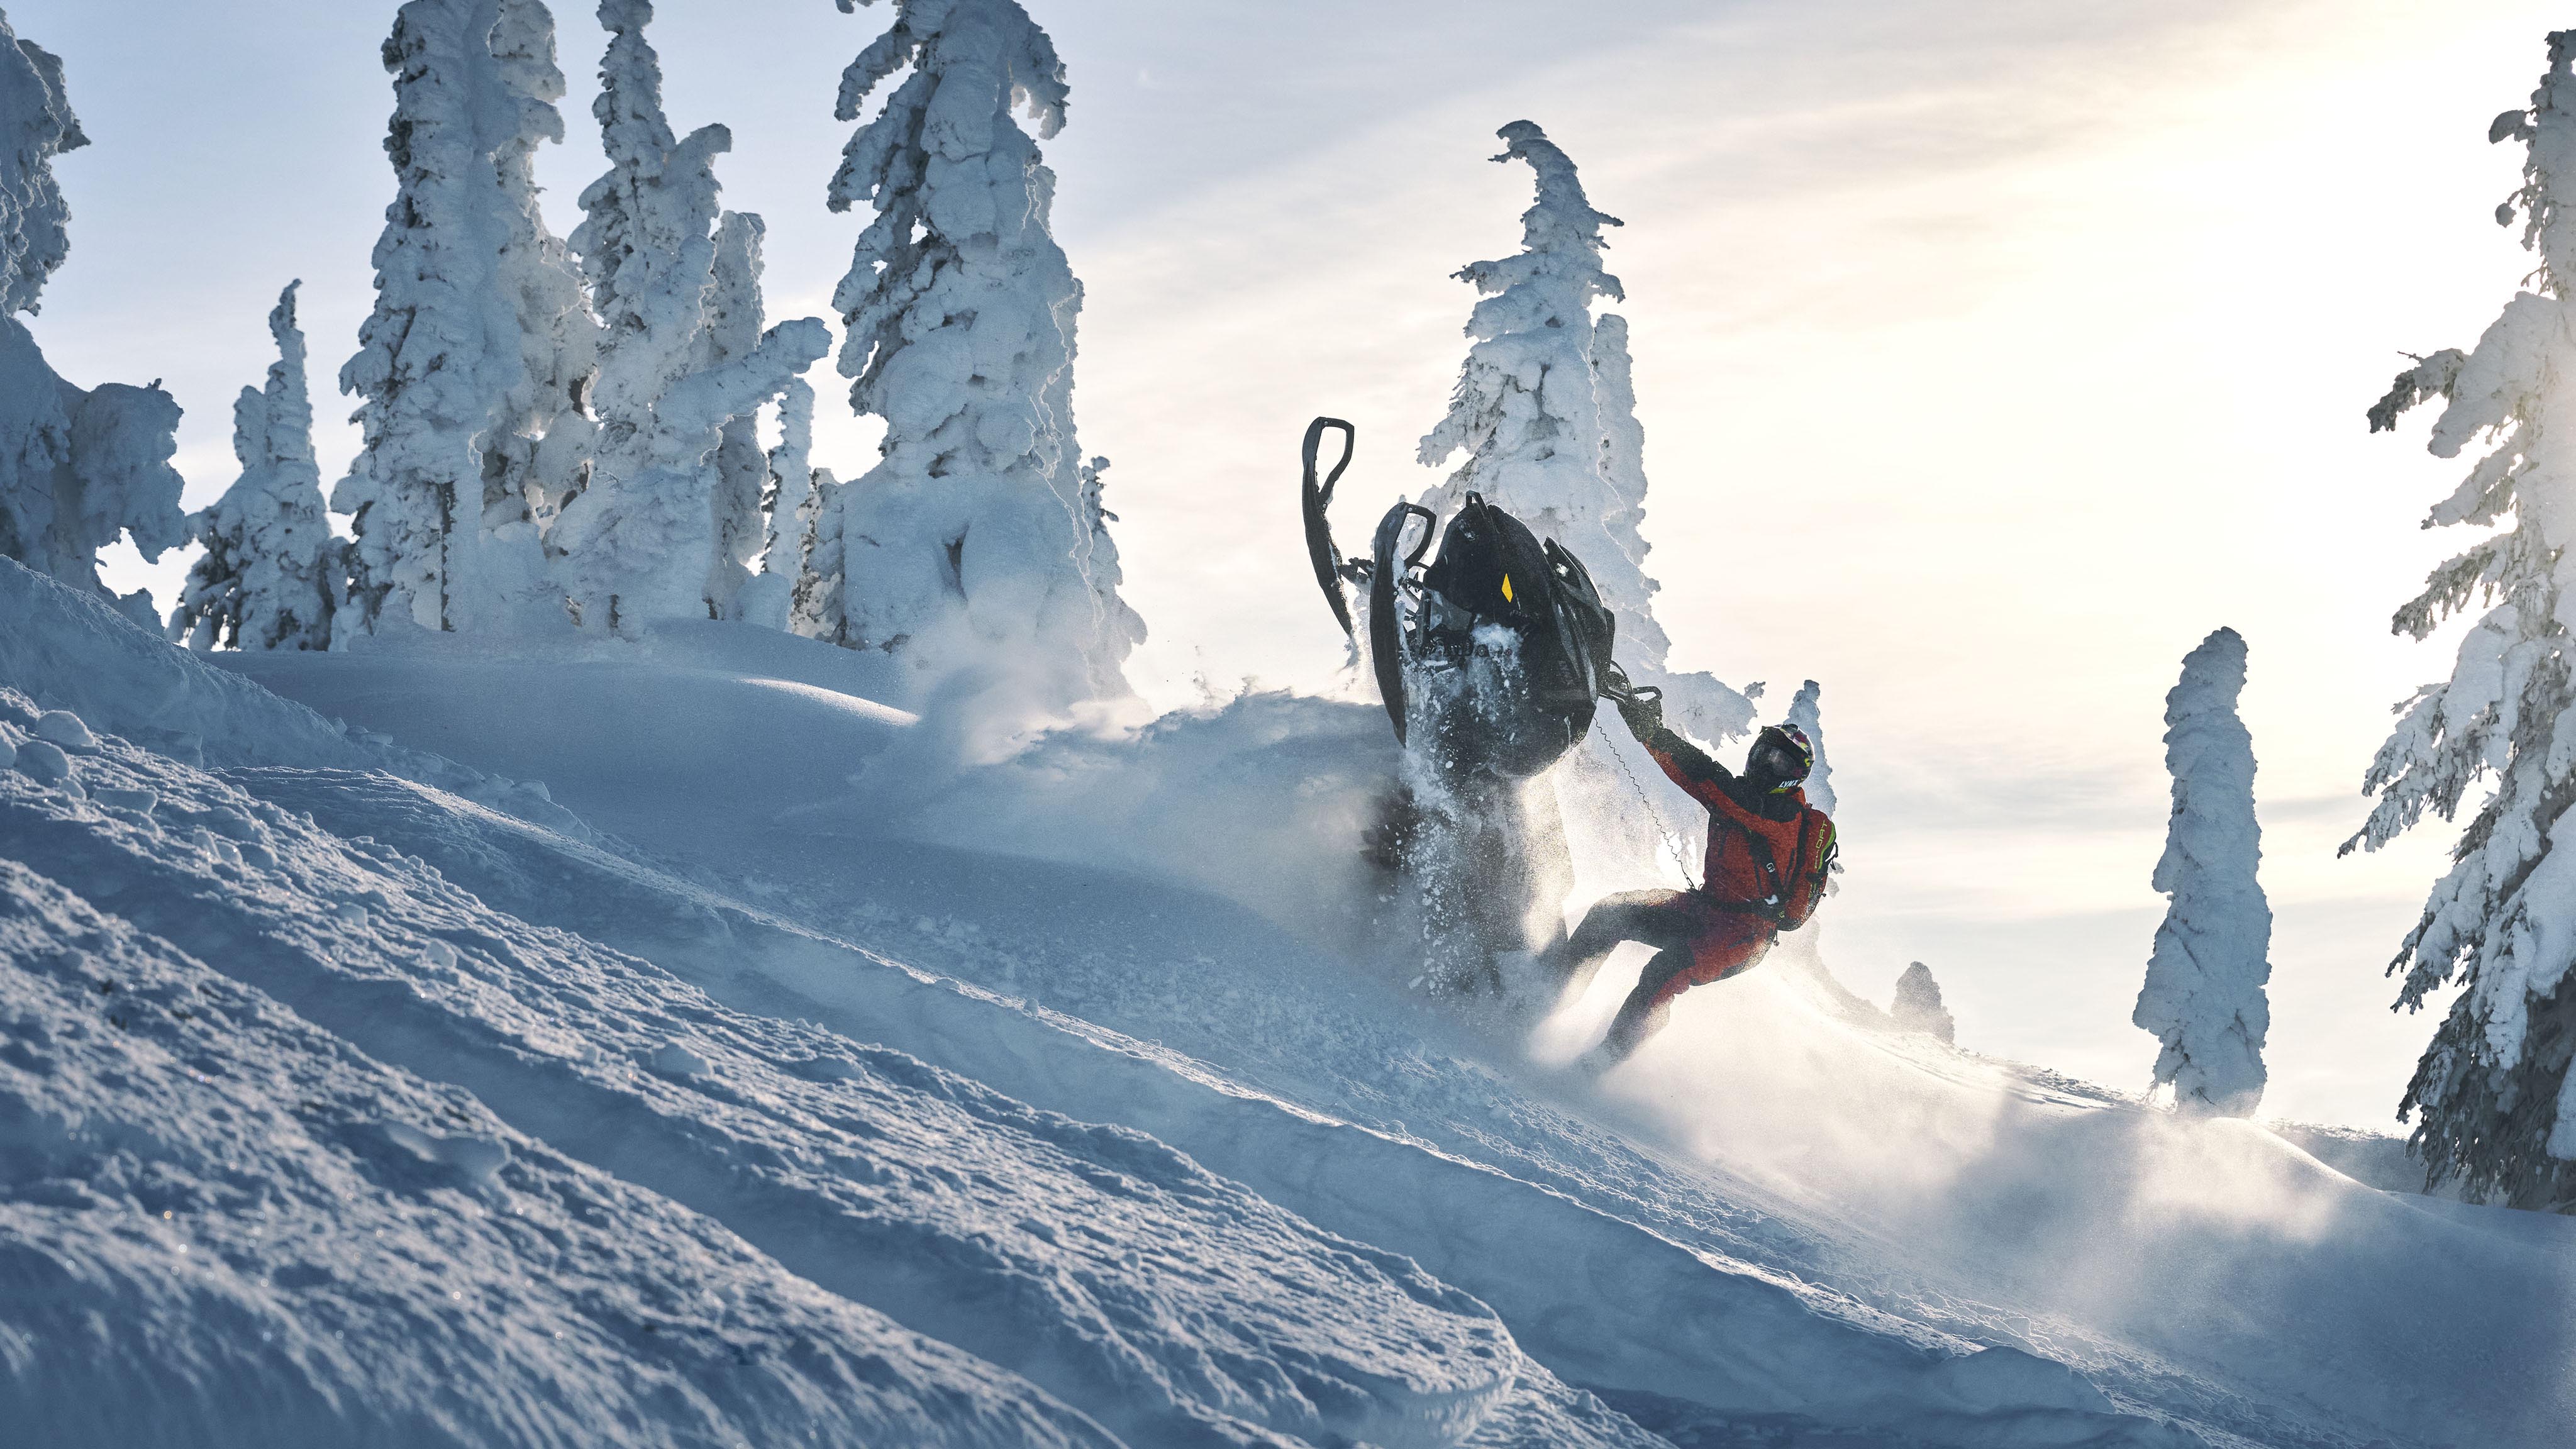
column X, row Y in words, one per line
column 1776, row 759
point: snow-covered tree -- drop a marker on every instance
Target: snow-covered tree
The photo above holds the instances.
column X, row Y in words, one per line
column 734, row 317
column 2203, row 997
column 978, row 538
column 1918, row 1008
column 815, row 610
column 270, row 577
column 1545, row 411
column 77, row 467
column 768, row 598
column 472, row 366
column 671, row 512
column 1806, row 712
column 2495, row 1104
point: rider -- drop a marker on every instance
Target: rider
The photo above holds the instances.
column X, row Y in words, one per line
column 1768, row 854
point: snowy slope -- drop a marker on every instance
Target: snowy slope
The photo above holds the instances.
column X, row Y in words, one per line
column 1774, row 1228
column 223, row 1225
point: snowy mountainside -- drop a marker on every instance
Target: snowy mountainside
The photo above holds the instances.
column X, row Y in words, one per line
column 225, row 1226
column 1180, row 1307
column 1311, row 1213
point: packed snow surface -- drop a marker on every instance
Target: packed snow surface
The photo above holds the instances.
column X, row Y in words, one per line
column 781, row 1071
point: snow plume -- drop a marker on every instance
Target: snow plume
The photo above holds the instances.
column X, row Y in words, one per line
column 2203, row 996
column 76, row 468
column 671, row 513
column 2497, row 1103
column 271, row 574
column 472, row 366
column 978, row 540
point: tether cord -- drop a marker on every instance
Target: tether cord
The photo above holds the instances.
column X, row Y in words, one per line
column 1672, row 842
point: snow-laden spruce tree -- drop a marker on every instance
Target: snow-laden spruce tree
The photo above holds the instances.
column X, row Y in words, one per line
column 1806, row 712
column 1545, row 411
column 671, row 511
column 1918, row 1008
column 978, row 539
column 2494, row 1103
column 734, row 322
column 472, row 365
column 2203, row 997
column 270, row 577
column 768, row 598
column 77, row 467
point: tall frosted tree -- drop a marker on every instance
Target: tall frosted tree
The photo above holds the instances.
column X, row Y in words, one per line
column 2203, row 997
column 270, row 577
column 768, row 598
column 1545, row 412
column 979, row 537
column 471, row 368
column 1917, row 1006
column 671, row 511
column 2494, row 1104
column 77, row 467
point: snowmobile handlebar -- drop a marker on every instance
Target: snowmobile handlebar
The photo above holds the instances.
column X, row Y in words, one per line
column 1615, row 687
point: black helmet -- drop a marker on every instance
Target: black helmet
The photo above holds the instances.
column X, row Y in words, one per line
column 1781, row 754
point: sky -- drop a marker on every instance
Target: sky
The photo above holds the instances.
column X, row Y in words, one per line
column 1989, row 355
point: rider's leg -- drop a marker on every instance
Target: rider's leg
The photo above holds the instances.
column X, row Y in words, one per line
column 1730, row 946
column 1662, row 919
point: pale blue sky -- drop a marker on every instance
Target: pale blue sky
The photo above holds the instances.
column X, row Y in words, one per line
column 1989, row 354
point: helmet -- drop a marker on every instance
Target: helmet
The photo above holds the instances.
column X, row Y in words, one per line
column 1782, row 754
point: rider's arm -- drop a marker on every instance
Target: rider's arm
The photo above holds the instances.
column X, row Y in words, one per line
column 1688, row 765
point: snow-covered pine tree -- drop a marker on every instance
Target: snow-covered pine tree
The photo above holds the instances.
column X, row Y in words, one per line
column 979, row 536
column 734, row 319
column 671, row 511
column 472, row 366
column 815, row 611
column 2203, row 997
column 1806, row 712
column 271, row 575
column 1918, row 1008
column 768, row 598
column 2494, row 1103
column 77, row 467
column 1545, row 410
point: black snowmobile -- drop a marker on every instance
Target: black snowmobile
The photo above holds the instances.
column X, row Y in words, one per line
column 1491, row 658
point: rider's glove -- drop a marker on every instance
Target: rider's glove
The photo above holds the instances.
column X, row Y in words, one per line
column 1644, row 716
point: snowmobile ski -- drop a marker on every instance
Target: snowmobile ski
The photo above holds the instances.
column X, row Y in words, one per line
column 1315, row 497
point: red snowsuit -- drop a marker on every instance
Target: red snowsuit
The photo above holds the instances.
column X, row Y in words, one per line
column 1765, row 868
column 1768, row 854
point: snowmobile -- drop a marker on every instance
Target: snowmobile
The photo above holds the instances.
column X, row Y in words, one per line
column 1491, row 653
column 1494, row 595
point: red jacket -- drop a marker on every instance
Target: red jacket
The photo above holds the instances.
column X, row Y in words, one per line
column 1767, row 853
